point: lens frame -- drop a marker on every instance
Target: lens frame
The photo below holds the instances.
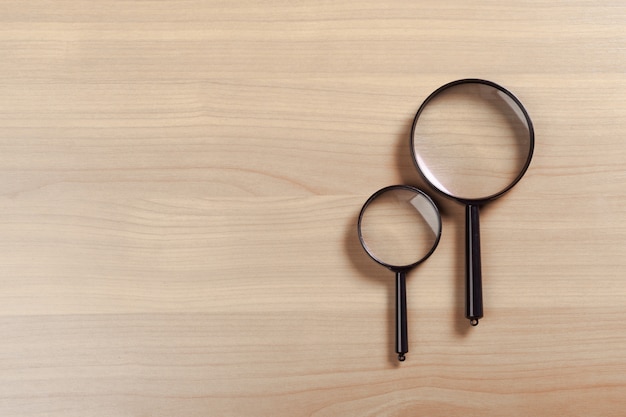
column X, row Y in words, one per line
column 398, row 268
column 531, row 132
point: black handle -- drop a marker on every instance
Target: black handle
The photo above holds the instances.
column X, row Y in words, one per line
column 402, row 341
column 473, row 284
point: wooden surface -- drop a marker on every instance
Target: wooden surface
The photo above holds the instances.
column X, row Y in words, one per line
column 179, row 191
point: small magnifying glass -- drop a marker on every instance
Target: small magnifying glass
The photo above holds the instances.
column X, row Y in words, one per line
column 399, row 227
column 472, row 140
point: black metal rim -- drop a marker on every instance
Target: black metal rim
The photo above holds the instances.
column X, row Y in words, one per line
column 531, row 131
column 399, row 268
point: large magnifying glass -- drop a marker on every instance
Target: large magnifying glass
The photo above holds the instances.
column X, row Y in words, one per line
column 472, row 140
column 399, row 227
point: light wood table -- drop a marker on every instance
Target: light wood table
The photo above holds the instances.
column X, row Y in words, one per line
column 179, row 194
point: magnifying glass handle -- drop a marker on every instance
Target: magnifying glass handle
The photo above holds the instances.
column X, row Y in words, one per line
column 473, row 284
column 402, row 340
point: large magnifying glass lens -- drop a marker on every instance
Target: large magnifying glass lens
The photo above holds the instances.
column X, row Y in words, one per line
column 399, row 227
column 472, row 141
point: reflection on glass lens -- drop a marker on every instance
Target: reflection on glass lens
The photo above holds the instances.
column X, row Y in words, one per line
column 471, row 141
column 399, row 227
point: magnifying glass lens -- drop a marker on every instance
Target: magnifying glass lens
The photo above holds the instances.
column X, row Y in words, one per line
column 399, row 227
column 472, row 141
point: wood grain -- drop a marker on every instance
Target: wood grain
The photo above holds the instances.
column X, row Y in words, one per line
column 179, row 188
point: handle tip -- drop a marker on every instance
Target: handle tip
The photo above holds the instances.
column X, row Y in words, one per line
column 474, row 322
column 401, row 357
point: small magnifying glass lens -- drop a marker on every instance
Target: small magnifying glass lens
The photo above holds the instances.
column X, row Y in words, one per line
column 399, row 227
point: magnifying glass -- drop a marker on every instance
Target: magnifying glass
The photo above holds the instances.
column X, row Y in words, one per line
column 399, row 227
column 472, row 140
